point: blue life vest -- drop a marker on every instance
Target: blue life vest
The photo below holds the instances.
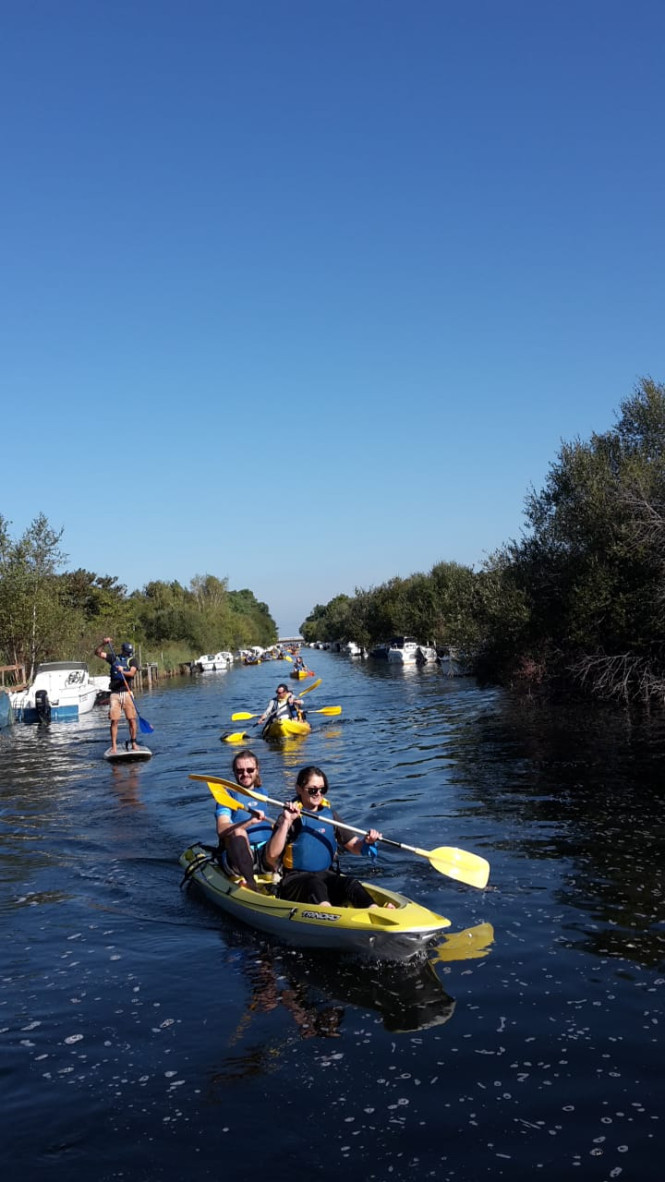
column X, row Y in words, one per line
column 259, row 833
column 315, row 846
column 117, row 682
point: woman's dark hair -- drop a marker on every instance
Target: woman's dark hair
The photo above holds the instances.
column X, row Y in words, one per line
column 247, row 754
column 305, row 774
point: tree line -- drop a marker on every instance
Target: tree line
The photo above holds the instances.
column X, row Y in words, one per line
column 576, row 603
column 47, row 614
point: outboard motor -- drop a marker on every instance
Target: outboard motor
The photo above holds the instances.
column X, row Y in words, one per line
column 42, row 706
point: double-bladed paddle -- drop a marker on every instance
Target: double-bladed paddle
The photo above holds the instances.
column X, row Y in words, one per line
column 242, row 715
column 239, row 736
column 458, row 864
column 223, row 797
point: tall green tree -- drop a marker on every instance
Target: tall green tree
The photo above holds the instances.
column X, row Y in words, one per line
column 592, row 566
column 32, row 616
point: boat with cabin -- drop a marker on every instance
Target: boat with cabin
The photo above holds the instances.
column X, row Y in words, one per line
column 61, row 691
column 426, row 655
column 403, row 650
column 352, row 649
column 214, row 662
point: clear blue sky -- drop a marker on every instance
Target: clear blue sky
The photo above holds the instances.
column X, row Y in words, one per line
column 307, row 293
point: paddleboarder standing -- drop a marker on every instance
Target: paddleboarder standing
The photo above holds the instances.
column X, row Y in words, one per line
column 123, row 669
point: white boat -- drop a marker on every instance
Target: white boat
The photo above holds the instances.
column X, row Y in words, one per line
column 403, row 650
column 61, row 690
column 352, row 649
column 426, row 655
column 212, row 662
column 103, row 686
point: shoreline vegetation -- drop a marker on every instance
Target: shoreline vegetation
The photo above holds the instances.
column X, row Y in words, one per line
column 577, row 605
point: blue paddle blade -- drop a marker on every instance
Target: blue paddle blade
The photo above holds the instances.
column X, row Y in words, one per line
column 145, row 726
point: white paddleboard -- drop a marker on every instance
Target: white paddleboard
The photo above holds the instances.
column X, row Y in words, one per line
column 127, row 754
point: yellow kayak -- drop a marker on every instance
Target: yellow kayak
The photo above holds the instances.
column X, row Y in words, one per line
column 400, row 932
column 301, row 674
column 285, row 728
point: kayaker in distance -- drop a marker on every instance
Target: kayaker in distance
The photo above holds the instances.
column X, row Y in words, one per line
column 283, row 705
column 307, row 849
column 242, row 843
column 123, row 669
column 299, row 663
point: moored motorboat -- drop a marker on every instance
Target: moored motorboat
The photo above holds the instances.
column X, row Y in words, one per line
column 426, row 654
column 401, row 932
column 214, row 662
column 61, row 691
column 351, row 649
column 286, row 728
column 403, row 650
column 379, row 652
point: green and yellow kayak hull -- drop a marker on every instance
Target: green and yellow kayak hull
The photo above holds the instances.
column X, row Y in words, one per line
column 400, row 933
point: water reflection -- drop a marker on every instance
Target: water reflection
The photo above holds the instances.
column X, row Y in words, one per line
column 125, row 782
column 543, row 1056
column 315, row 990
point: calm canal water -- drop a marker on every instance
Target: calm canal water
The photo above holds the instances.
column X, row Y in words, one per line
column 144, row 1037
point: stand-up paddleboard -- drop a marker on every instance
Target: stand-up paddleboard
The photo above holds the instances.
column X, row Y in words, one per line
column 127, row 754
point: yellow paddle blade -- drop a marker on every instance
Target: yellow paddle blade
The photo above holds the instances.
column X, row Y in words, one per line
column 327, row 710
column 223, row 797
column 210, row 780
column 236, row 737
column 470, row 944
column 240, row 715
column 313, row 686
column 459, row 864
column 287, row 658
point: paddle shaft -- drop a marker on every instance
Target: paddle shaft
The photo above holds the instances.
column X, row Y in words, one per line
column 454, row 863
column 242, row 715
column 280, row 804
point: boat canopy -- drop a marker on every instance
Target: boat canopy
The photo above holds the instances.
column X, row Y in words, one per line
column 61, row 666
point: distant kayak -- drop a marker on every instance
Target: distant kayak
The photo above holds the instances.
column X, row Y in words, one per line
column 401, row 932
column 284, row 728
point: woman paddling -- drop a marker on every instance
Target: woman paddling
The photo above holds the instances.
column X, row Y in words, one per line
column 306, row 847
